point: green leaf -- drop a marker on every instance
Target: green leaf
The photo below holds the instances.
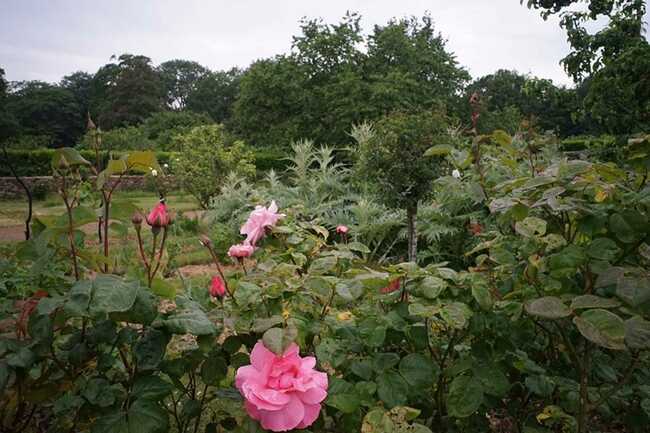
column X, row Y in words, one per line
column 418, row 370
column 190, row 320
column 111, row 293
column 540, row 385
column 634, row 288
column 602, row 327
column 322, row 265
column 493, row 379
column 530, row 227
column 363, row 369
column 548, row 307
column 439, row 150
column 465, row 396
column 431, row 287
column 392, row 389
column 97, row 391
column 151, row 388
column 358, row 247
column 593, row 301
column 346, row 403
column 456, row 314
column 277, row 340
column 482, row 295
column 566, row 262
column 163, row 288
column 603, row 249
column 623, row 228
column 385, row 361
column 637, row 333
column 214, row 369
column 67, row 157
column 150, row 349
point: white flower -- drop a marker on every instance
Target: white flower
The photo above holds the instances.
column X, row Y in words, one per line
column 456, row 174
column 166, row 165
column 154, row 173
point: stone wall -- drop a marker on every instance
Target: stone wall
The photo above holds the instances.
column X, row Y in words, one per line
column 41, row 185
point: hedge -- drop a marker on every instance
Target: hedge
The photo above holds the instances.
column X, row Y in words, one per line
column 37, row 162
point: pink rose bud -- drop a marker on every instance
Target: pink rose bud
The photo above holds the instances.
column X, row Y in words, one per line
column 217, row 287
column 241, row 251
column 281, row 392
column 159, row 217
column 341, row 229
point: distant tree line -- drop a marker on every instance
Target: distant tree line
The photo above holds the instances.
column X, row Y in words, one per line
column 334, row 77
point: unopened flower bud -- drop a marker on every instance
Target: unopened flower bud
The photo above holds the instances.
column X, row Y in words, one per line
column 137, row 219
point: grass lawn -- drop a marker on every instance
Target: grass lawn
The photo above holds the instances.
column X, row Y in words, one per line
column 13, row 212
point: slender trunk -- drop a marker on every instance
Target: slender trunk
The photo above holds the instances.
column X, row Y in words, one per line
column 28, row 219
column 411, row 215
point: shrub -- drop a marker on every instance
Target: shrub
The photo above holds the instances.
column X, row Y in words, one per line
column 207, row 155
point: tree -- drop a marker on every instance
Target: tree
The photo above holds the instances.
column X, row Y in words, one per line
column 127, row 92
column 270, row 109
column 505, row 93
column 80, row 85
column 591, row 51
column 45, row 112
column 214, row 94
column 409, row 67
column 8, row 124
column 207, row 155
column 392, row 158
column 180, row 78
column 619, row 93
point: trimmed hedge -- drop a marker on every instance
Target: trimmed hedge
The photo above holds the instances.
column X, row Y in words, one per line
column 37, row 162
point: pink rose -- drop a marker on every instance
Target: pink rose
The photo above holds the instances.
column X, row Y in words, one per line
column 342, row 230
column 158, row 217
column 281, row 392
column 240, row 251
column 259, row 219
column 217, row 287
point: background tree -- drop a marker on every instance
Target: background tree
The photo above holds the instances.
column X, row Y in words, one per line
column 127, row 92
column 8, row 124
column 271, row 102
column 392, row 158
column 45, row 113
column 180, row 78
column 410, row 68
column 207, row 156
column 592, row 50
column 80, row 85
column 214, row 94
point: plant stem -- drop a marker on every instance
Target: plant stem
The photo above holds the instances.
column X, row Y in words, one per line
column 223, row 277
column 27, row 192
column 584, row 389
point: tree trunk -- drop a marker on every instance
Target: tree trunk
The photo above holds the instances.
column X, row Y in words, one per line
column 411, row 215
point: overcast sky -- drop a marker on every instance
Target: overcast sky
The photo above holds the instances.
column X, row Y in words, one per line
column 47, row 39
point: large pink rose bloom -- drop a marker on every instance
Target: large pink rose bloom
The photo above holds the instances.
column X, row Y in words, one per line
column 259, row 219
column 281, row 392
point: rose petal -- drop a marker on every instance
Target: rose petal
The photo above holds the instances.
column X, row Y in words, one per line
column 285, row 419
column 311, row 414
column 313, row 395
column 261, row 357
